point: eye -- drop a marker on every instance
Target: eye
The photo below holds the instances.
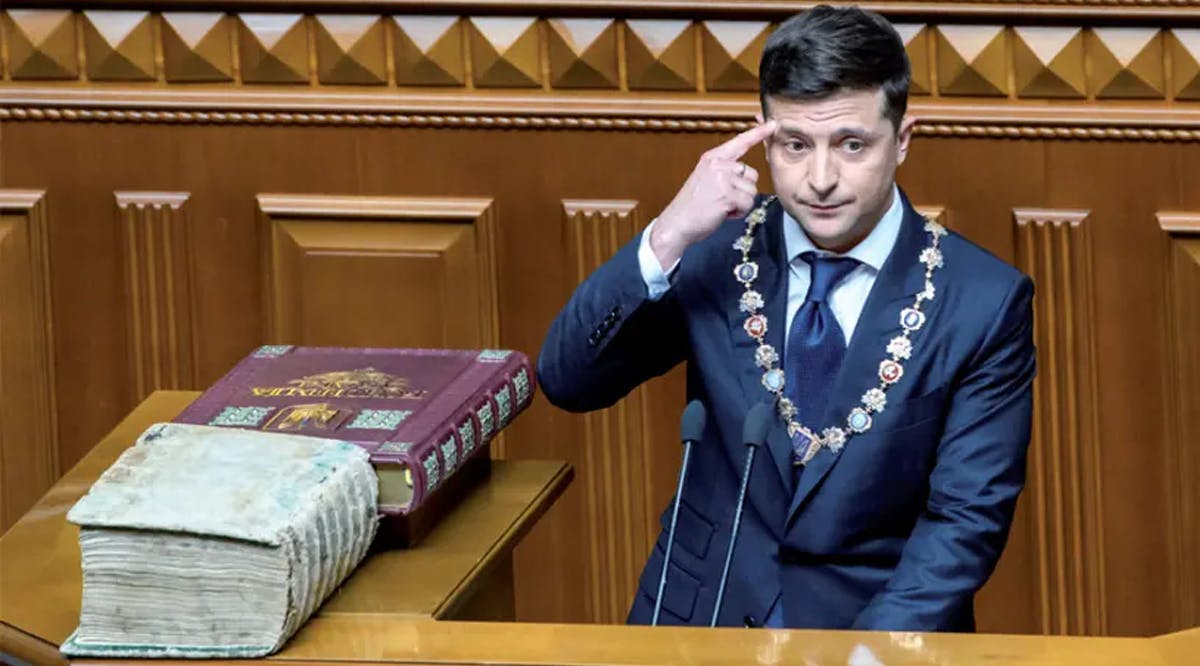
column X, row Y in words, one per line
column 794, row 145
column 854, row 145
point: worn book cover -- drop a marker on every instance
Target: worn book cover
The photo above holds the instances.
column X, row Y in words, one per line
column 421, row 414
column 204, row 542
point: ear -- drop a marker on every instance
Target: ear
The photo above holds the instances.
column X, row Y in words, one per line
column 903, row 137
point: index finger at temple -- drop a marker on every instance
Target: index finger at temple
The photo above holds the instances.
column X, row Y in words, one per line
column 738, row 145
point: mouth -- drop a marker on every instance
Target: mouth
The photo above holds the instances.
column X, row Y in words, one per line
column 824, row 208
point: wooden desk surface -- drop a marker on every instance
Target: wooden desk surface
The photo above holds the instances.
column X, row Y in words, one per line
column 370, row 622
column 385, row 640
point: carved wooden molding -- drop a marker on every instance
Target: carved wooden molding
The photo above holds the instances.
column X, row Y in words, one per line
column 380, row 271
column 505, row 52
column 428, row 51
column 196, row 47
column 582, row 53
column 660, row 54
column 159, row 299
column 351, row 49
column 741, row 7
column 1058, row 132
column 972, row 60
column 1049, row 62
column 273, row 48
column 1184, row 50
column 614, row 439
column 993, row 57
column 271, row 101
column 38, row 45
column 1054, row 248
column 1179, row 223
column 1183, row 385
column 731, row 52
column 611, row 211
column 582, row 109
column 28, row 410
column 119, row 45
column 368, row 207
column 1051, row 217
column 958, row 129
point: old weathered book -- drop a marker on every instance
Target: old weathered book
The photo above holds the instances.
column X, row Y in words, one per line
column 421, row 414
column 208, row 542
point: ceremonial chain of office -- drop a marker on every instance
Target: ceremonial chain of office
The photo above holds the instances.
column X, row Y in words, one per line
column 890, row 369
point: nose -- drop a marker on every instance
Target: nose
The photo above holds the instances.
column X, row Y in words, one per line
column 822, row 173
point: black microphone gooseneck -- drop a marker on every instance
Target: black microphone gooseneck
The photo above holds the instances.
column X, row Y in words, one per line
column 754, row 432
column 691, row 431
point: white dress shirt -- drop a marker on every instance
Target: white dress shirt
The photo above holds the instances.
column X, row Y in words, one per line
column 846, row 299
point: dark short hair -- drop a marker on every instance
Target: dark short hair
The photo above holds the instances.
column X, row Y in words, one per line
column 825, row 50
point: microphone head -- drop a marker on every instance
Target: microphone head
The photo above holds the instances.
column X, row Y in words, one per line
column 692, row 425
column 758, row 421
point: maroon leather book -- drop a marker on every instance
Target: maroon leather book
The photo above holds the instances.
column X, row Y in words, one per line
column 420, row 413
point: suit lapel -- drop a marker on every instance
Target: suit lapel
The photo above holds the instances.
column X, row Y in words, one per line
column 899, row 280
column 769, row 253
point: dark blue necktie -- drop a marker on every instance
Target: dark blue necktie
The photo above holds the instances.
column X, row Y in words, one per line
column 815, row 346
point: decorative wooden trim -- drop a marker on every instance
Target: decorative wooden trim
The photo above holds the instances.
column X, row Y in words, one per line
column 159, row 307
column 1081, row 133
column 1049, row 217
column 614, row 439
column 323, row 52
column 548, row 110
column 1054, row 248
column 351, row 49
column 197, row 47
column 611, row 211
column 39, row 45
column 1179, row 223
column 269, row 101
column 477, row 212
column 668, row 7
column 119, row 45
column 1182, row 387
column 551, row 122
column 367, row 207
column 40, row 432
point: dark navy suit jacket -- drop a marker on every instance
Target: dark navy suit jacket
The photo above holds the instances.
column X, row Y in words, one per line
column 897, row 531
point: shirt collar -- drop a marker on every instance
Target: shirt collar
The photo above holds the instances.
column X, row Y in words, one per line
column 872, row 250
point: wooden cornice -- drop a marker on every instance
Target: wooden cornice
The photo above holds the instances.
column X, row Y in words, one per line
column 696, row 9
column 713, row 106
column 1079, row 79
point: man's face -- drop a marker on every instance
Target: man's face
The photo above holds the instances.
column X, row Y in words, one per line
column 833, row 162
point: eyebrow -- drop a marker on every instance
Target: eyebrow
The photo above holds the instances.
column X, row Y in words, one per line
column 840, row 133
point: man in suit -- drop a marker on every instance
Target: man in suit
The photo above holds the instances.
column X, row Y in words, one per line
column 898, row 359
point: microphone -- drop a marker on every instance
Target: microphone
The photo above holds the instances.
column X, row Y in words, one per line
column 754, row 432
column 691, row 430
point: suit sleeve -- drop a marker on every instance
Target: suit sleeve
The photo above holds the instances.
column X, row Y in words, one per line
column 611, row 336
column 978, row 474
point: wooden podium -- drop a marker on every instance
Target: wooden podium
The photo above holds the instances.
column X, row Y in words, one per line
column 461, row 570
column 446, row 601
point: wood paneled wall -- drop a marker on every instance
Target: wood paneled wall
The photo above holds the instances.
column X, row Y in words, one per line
column 156, row 262
column 1183, row 408
column 29, row 458
column 180, row 186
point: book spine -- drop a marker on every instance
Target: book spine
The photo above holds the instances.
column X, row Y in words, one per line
column 506, row 389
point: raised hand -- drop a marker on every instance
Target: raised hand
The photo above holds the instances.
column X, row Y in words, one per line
column 718, row 188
